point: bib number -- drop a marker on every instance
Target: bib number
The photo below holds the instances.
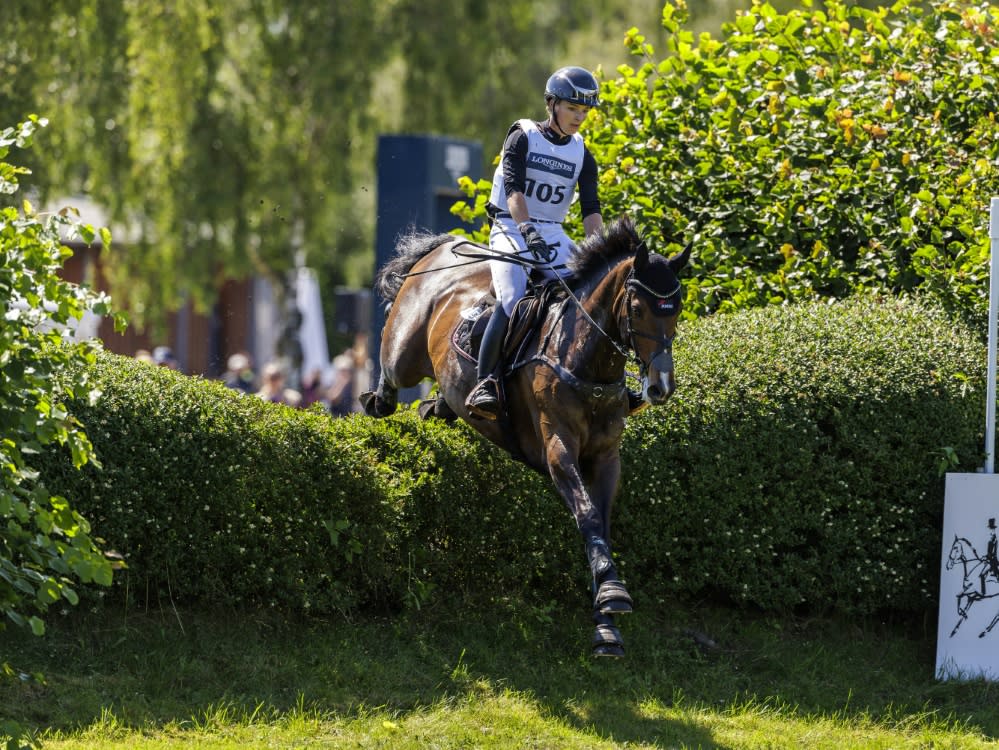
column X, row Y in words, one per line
column 544, row 192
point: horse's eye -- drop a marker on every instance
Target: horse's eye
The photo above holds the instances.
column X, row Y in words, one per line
column 637, row 311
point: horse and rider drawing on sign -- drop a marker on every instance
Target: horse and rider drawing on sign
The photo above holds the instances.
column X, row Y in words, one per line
column 528, row 338
column 980, row 575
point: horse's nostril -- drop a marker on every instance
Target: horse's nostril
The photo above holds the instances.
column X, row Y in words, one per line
column 655, row 392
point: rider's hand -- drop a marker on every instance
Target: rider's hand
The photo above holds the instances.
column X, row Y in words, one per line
column 535, row 242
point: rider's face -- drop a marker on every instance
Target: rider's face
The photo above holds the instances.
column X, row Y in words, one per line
column 569, row 116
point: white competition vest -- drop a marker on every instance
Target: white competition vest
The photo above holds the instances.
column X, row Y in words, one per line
column 552, row 174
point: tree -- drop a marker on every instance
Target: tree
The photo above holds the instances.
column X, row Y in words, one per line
column 815, row 153
column 227, row 139
column 45, row 546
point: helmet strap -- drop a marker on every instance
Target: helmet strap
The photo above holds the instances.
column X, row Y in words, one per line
column 553, row 118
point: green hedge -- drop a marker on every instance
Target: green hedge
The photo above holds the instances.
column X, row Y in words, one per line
column 799, row 465
column 801, row 461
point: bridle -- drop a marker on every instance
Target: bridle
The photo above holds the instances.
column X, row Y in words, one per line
column 666, row 342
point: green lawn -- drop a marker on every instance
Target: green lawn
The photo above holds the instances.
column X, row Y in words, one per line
column 510, row 677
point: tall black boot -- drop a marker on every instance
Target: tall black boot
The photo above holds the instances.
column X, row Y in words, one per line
column 483, row 401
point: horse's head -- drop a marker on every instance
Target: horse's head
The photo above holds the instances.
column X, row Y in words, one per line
column 956, row 553
column 654, row 302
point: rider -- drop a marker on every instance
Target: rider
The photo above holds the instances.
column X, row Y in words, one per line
column 991, row 558
column 542, row 165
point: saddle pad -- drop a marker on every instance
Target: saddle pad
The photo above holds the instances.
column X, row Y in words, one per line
column 467, row 336
column 527, row 315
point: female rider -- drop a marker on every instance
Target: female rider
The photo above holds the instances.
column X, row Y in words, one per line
column 542, row 165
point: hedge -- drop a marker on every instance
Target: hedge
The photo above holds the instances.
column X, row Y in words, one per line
column 800, row 465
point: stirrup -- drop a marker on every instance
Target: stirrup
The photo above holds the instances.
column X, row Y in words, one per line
column 483, row 401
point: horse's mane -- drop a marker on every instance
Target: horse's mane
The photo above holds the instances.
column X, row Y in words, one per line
column 604, row 250
column 409, row 248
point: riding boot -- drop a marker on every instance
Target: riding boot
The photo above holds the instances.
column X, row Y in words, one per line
column 636, row 402
column 483, row 401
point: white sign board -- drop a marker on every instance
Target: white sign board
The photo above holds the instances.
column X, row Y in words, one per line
column 968, row 625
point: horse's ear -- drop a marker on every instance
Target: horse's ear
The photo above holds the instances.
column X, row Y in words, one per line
column 679, row 261
column 641, row 255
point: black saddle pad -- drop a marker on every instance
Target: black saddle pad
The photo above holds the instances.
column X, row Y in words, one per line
column 527, row 315
column 467, row 336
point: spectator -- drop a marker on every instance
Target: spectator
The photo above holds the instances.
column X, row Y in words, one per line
column 163, row 356
column 341, row 392
column 273, row 387
column 312, row 388
column 239, row 373
column 144, row 355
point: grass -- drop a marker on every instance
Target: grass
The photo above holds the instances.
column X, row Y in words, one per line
column 515, row 676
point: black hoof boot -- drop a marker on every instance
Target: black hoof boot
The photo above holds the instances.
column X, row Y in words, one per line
column 607, row 639
column 612, row 598
column 375, row 405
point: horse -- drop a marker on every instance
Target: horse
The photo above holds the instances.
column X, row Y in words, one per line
column 564, row 394
column 976, row 583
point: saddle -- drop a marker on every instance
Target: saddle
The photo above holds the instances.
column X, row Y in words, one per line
column 527, row 316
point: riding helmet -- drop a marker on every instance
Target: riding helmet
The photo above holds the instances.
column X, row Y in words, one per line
column 573, row 84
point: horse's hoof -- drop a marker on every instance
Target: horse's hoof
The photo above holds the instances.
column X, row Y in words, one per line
column 606, row 636
column 367, row 400
column 444, row 411
column 607, row 641
column 612, row 599
column 436, row 408
column 374, row 405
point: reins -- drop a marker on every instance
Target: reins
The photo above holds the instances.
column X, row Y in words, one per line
column 479, row 256
column 483, row 253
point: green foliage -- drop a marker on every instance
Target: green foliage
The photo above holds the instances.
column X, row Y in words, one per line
column 45, row 545
column 216, row 497
column 221, row 498
column 816, row 153
column 811, row 155
column 798, row 465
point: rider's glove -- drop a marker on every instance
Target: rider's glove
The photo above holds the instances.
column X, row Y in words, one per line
column 535, row 242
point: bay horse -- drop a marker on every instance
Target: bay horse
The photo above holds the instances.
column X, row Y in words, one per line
column 564, row 393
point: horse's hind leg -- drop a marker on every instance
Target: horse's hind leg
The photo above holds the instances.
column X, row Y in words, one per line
column 382, row 401
column 987, row 630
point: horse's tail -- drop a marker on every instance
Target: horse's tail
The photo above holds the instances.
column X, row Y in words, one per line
column 409, row 249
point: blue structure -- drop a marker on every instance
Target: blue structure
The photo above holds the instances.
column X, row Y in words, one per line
column 417, row 185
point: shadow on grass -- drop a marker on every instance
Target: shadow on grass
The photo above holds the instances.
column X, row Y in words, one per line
column 158, row 668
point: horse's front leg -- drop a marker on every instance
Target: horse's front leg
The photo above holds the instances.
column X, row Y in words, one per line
column 563, row 464
column 609, row 594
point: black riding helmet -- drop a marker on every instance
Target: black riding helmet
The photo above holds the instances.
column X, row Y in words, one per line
column 573, row 84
